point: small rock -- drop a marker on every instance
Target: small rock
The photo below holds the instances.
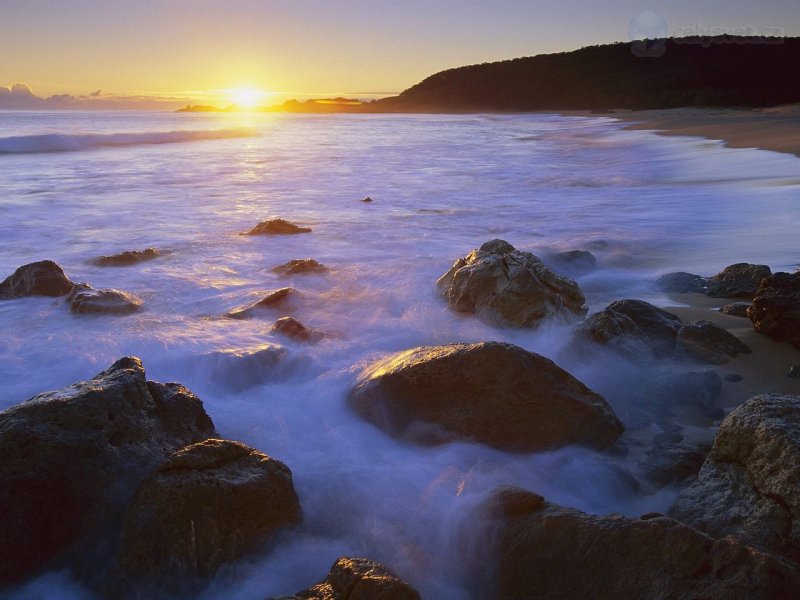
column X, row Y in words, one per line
column 277, row 227
column 367, row 199
column 733, row 377
column 736, row 309
column 574, row 262
column 208, row 504
column 129, row 257
column 681, row 283
column 85, row 299
column 710, row 343
column 300, row 266
column 292, row 328
column 272, row 300
column 43, row 278
column 357, row 579
column 794, row 372
column 737, row 281
column 776, row 308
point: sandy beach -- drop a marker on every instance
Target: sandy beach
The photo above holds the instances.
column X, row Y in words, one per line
column 775, row 128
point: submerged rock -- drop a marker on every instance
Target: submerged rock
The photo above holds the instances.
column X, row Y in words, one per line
column 736, row 309
column 129, row 257
column 737, row 281
column 505, row 286
column 492, row 393
column 273, row 299
column 776, row 308
column 240, row 369
column 357, row 579
column 72, row 458
column 300, row 266
column 85, row 299
column 681, row 283
column 277, row 227
column 749, row 485
column 549, row 551
column 696, row 389
column 43, row 278
column 208, row 504
column 709, row 343
column 575, row 262
column 294, row 329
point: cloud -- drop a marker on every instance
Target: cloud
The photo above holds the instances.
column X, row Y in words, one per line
column 96, row 93
column 20, row 96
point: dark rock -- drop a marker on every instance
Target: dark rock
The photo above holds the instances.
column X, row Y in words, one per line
column 299, row 266
column 560, row 553
column 749, row 485
column 736, row 309
column 709, row 343
column 776, row 308
column 697, row 389
column 208, row 504
column 43, row 278
column 357, row 579
column 575, row 262
column 737, row 281
column 633, row 328
column 72, row 458
column 794, row 372
column 510, row 288
column 292, row 328
column 670, row 461
column 274, row 299
column 492, row 393
column 129, row 257
column 681, row 283
column 367, row 199
column 276, row 227
column 85, row 299
column 733, row 377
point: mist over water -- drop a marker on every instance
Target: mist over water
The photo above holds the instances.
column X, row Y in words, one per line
column 442, row 185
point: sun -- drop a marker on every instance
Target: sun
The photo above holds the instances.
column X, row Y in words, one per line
column 247, row 98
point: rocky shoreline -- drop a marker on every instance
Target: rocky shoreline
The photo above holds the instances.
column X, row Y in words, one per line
column 127, row 484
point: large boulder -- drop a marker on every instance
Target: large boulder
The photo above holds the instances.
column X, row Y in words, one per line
column 737, row 281
column 357, row 579
column 709, row 343
column 681, row 283
column 776, row 308
column 43, row 278
column 548, row 551
column 208, row 504
column 736, row 309
column 493, row 393
column 72, row 458
column 127, row 258
column 749, row 485
column 505, row 286
column 87, row 300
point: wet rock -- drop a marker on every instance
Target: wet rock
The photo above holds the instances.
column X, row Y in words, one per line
column 736, row 309
column 129, row 257
column 300, row 266
column 574, row 262
column 509, row 288
column 240, row 369
column 733, row 377
column 274, row 299
column 367, row 199
column 548, row 551
column 43, row 278
column 208, row 504
column 776, row 308
column 85, row 299
column 277, row 227
column 294, row 329
column 72, row 458
column 749, row 485
column 633, row 328
column 492, row 393
column 737, row 281
column 709, row 343
column 681, row 283
column 357, row 579
column 671, row 461
column 697, row 389
column 794, row 372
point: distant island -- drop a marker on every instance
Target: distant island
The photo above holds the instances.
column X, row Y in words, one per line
column 720, row 71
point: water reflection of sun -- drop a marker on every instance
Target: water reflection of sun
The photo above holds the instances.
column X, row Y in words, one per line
column 247, row 98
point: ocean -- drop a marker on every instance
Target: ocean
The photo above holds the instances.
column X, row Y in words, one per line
column 77, row 185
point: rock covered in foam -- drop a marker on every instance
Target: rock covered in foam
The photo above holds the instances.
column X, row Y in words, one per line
column 43, row 278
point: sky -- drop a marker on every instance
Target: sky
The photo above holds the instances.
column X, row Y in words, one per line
column 68, row 53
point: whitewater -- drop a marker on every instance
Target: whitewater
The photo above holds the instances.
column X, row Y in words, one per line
column 77, row 185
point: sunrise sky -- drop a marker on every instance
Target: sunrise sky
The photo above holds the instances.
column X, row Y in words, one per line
column 197, row 51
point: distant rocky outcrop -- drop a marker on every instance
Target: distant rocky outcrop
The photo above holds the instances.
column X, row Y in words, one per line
column 548, row 551
column 749, row 485
column 83, row 298
column 776, row 308
column 300, row 266
column 208, row 504
column 741, row 280
column 127, row 258
column 507, row 287
column 274, row 299
column 72, row 458
column 492, row 393
column 277, row 227
column 357, row 579
column 43, row 278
